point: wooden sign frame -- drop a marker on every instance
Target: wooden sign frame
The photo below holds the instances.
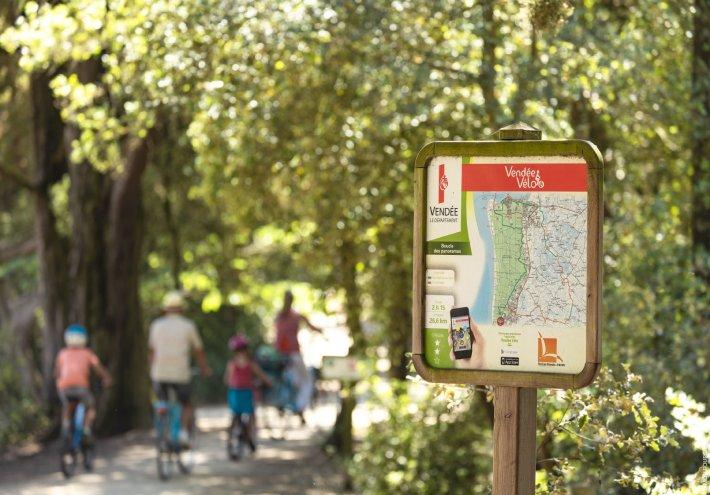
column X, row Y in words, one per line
column 522, row 148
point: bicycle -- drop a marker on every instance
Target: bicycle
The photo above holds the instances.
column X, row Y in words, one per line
column 75, row 442
column 170, row 451
column 282, row 395
column 238, row 437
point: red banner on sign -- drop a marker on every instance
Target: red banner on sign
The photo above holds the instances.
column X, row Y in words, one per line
column 526, row 177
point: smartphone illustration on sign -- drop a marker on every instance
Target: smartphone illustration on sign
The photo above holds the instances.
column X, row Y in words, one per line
column 461, row 334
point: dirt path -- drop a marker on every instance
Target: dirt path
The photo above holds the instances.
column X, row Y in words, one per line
column 126, row 464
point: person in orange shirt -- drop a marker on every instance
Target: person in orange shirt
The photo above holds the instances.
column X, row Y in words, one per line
column 72, row 371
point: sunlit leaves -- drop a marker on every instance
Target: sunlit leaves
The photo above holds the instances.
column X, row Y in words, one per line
column 298, row 126
column 409, row 425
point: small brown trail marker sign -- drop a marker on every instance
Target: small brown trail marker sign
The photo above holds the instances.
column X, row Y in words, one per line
column 507, row 277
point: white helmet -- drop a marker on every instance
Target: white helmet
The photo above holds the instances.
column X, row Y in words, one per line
column 173, row 300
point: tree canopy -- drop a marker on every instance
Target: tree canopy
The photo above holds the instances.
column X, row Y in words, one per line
column 225, row 146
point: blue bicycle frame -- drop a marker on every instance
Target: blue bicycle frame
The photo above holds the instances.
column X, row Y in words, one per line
column 174, row 418
column 79, row 414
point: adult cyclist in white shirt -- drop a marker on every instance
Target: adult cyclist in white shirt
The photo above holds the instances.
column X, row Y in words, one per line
column 173, row 339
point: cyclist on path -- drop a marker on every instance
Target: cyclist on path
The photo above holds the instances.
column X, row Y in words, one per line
column 173, row 338
column 72, row 371
column 239, row 377
column 288, row 322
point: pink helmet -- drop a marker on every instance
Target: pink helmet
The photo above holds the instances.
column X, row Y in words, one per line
column 238, row 341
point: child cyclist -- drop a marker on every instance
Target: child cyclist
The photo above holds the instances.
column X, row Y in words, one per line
column 72, row 370
column 239, row 378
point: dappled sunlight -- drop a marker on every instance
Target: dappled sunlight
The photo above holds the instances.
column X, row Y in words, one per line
column 365, row 415
column 115, row 476
column 239, row 199
column 210, row 420
column 288, row 460
column 335, row 340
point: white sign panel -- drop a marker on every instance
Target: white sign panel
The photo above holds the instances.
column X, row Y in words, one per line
column 506, row 263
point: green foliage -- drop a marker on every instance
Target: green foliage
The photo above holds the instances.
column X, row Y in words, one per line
column 436, row 440
column 548, row 14
column 20, row 414
column 423, row 445
column 611, row 423
column 282, row 137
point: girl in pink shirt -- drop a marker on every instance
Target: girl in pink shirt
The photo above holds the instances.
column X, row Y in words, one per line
column 239, row 378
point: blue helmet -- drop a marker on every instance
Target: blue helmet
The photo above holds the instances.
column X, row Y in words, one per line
column 75, row 335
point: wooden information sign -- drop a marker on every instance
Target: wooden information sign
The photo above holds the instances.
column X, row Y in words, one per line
column 507, row 275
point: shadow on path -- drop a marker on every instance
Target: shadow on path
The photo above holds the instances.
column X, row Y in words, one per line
column 290, row 463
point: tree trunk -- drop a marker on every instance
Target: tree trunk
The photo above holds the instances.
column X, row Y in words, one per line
column 163, row 146
column 527, row 75
column 87, row 205
column 487, row 78
column 104, row 266
column 700, row 139
column 341, row 438
column 400, row 320
column 18, row 318
column 174, row 234
column 127, row 404
column 353, row 306
column 50, row 163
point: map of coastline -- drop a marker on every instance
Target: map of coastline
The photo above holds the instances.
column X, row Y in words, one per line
column 535, row 244
column 516, row 257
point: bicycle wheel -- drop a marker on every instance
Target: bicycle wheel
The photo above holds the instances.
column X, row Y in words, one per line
column 87, row 454
column 67, row 459
column 164, row 462
column 235, row 442
column 186, row 456
column 232, row 440
column 245, row 439
column 68, row 464
column 163, row 448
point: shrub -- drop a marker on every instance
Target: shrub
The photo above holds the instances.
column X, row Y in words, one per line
column 21, row 416
column 601, row 439
column 425, row 445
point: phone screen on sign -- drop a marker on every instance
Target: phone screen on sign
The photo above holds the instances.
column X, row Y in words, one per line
column 461, row 333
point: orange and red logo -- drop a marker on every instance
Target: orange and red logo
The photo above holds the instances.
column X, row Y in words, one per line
column 443, row 182
column 547, row 350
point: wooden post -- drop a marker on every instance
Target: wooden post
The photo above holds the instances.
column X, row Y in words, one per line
column 514, row 440
column 514, row 408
